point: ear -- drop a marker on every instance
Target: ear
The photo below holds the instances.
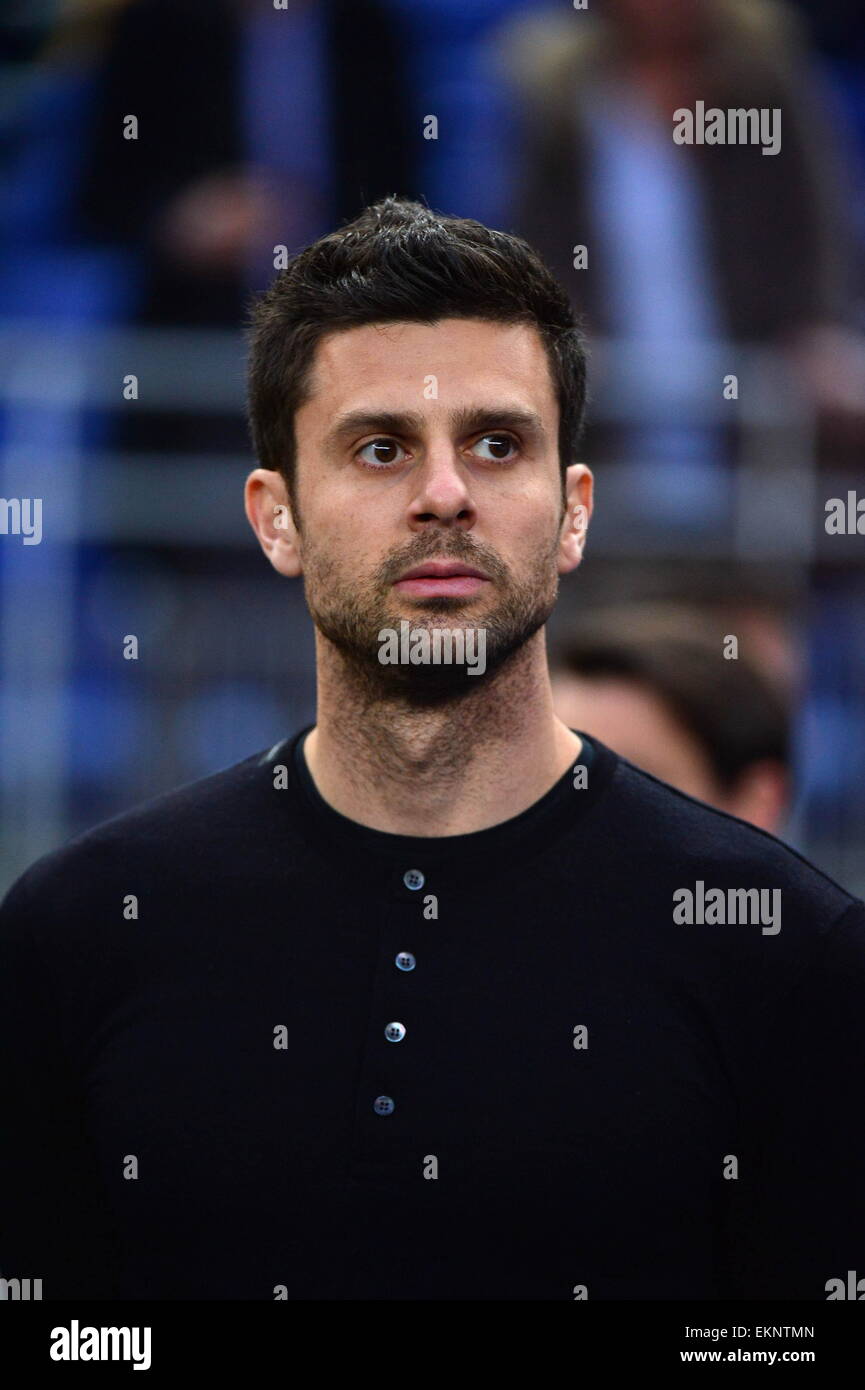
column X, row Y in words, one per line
column 579, row 486
column 269, row 514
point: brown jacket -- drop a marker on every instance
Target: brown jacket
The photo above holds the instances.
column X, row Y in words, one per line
column 779, row 248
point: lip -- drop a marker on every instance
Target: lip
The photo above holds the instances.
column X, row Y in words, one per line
column 441, row 579
column 441, row 569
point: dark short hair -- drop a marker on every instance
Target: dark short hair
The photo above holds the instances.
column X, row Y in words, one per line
column 399, row 261
column 737, row 714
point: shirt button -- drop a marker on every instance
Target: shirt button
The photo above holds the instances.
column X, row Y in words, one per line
column 395, row 1032
column 383, row 1105
column 413, row 878
column 405, row 961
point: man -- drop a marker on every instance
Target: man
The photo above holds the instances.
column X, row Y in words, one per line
column 650, row 683
column 430, row 1000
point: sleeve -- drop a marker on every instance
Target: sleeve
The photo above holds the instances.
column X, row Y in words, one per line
column 799, row 1213
column 53, row 1219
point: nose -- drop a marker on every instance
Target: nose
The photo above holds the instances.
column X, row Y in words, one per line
column 442, row 497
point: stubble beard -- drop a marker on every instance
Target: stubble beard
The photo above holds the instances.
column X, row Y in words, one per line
column 352, row 614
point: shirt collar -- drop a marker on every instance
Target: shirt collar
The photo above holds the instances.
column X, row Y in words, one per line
column 498, row 849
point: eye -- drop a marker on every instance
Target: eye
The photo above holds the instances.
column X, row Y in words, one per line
column 380, row 453
column 503, row 447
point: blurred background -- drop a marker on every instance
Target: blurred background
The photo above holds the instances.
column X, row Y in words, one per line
column 714, row 634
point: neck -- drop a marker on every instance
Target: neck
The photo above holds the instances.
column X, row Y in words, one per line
column 446, row 769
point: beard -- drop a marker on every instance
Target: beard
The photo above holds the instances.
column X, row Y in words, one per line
column 352, row 614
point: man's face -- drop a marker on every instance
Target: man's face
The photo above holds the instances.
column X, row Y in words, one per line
column 633, row 720
column 432, row 443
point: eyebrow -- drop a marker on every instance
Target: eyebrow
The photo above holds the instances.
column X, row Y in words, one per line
column 465, row 420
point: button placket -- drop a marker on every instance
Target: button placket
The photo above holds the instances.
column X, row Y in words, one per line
column 390, row 1073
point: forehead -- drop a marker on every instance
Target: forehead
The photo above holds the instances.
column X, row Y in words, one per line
column 467, row 358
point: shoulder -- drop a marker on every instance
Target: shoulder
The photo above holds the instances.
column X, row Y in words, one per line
column 668, row 834
column 184, row 832
column 710, row 899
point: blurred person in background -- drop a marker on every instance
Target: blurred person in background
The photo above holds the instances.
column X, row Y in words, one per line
column 257, row 128
column 696, row 256
column 656, row 686
column 689, row 245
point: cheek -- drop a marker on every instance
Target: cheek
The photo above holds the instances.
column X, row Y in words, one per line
column 340, row 556
column 528, row 521
column 362, row 525
column 541, row 536
column 334, row 530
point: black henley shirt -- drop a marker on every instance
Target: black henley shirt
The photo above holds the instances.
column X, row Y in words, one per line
column 252, row 1049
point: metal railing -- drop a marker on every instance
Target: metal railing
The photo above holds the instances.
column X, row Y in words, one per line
column 61, row 389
